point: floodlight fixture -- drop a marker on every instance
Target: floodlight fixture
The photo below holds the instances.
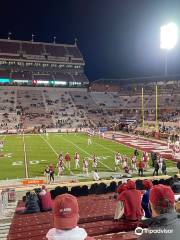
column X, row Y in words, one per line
column 168, row 36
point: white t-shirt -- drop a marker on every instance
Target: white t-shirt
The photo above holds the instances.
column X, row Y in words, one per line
column 76, row 233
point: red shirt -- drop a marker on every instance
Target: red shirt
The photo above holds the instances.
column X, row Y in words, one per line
column 141, row 165
column 46, row 201
column 131, row 199
column 51, row 168
column 67, row 157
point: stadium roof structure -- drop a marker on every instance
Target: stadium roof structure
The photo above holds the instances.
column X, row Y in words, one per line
column 137, row 80
column 29, row 62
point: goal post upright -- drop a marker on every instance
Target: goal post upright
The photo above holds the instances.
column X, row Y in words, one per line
column 142, row 106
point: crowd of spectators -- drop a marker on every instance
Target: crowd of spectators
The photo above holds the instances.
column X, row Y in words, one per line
column 156, row 207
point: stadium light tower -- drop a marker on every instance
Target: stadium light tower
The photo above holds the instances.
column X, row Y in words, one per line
column 168, row 40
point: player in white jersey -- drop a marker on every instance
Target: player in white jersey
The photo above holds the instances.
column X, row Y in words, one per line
column 118, row 160
column 89, row 140
column 102, row 134
column 133, row 163
column 60, row 164
column 1, row 145
column 94, row 165
column 85, row 167
column 160, row 162
column 76, row 160
column 60, row 167
column 125, row 165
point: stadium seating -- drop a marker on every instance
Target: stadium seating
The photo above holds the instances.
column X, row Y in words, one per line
column 11, row 47
column 96, row 214
column 31, row 48
column 74, row 51
column 63, row 110
column 75, row 107
column 55, row 50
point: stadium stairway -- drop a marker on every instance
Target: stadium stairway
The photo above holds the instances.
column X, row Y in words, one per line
column 5, row 220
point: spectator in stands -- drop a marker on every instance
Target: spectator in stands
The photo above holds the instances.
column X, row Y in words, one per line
column 45, row 199
column 119, row 207
column 131, row 200
column 32, row 203
column 95, row 175
column 145, row 199
column 176, row 185
column 65, row 220
column 164, row 224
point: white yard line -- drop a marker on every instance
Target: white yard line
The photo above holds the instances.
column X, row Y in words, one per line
column 86, row 152
column 25, row 158
column 105, row 147
column 55, row 153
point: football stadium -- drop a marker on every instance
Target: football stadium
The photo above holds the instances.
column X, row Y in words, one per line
column 85, row 154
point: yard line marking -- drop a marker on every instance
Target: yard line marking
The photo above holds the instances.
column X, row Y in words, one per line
column 25, row 158
column 67, row 140
column 55, row 153
column 105, row 147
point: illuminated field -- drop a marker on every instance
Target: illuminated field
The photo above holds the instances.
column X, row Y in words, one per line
column 39, row 151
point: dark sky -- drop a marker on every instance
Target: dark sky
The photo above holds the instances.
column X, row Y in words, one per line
column 118, row 38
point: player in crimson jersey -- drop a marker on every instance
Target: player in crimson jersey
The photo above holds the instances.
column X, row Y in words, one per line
column 68, row 160
column 76, row 160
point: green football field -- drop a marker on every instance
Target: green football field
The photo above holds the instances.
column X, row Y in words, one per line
column 32, row 153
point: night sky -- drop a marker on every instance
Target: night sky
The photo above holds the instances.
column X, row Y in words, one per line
column 118, row 38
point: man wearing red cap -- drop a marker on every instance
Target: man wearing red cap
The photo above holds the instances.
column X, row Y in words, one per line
column 164, row 223
column 65, row 219
column 131, row 199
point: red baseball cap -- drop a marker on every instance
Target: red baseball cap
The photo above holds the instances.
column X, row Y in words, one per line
column 162, row 196
column 122, row 187
column 147, row 184
column 130, row 184
column 65, row 211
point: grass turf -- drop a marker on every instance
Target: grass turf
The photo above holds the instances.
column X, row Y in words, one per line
column 42, row 150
